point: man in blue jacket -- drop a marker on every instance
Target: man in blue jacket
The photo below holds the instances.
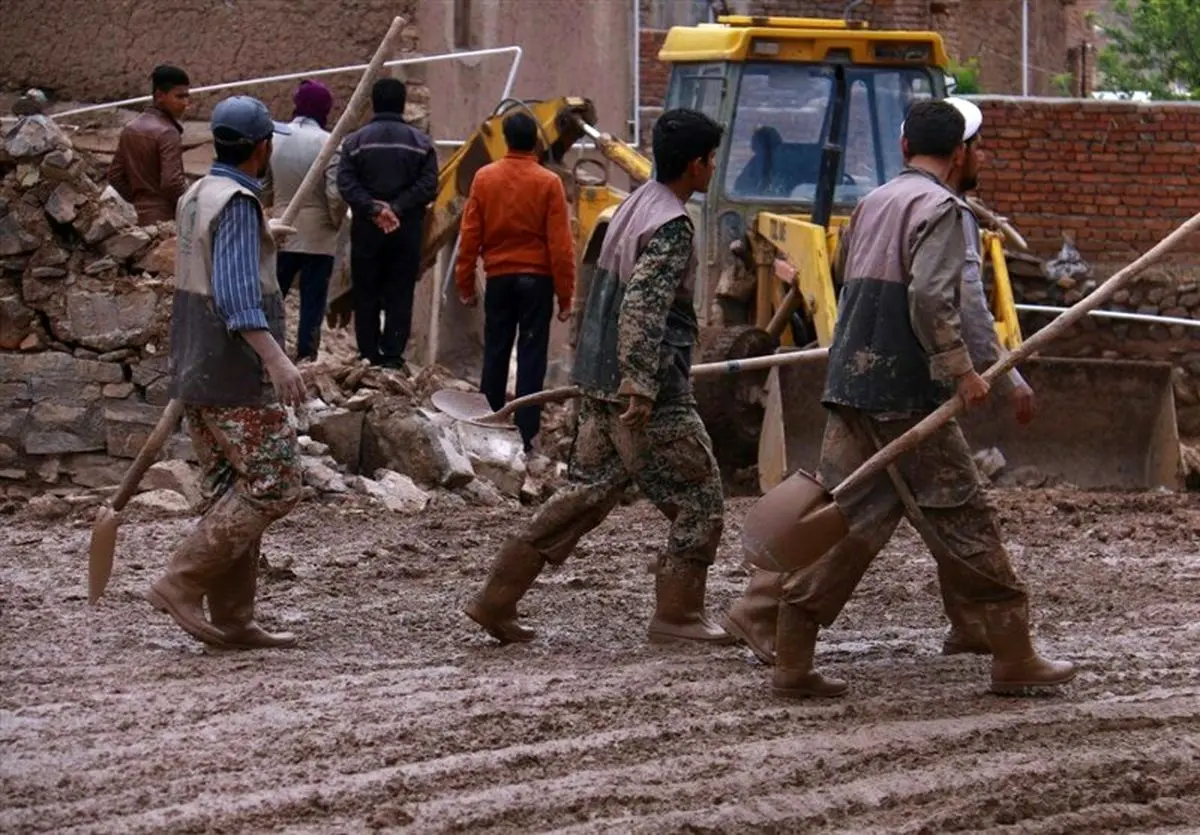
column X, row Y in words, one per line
column 387, row 175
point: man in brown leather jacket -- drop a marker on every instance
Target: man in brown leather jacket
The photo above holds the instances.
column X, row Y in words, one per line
column 147, row 169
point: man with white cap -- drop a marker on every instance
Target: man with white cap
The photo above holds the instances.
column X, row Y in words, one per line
column 898, row 352
column 228, row 368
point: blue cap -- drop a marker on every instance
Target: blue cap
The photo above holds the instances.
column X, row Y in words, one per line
column 246, row 118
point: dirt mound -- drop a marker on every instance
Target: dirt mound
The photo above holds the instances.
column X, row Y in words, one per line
column 396, row 714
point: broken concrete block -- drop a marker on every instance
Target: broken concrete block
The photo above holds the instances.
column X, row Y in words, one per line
column 33, row 136
column 166, row 502
column 321, row 476
column 396, row 492
column 125, row 244
column 342, row 431
column 496, row 454
column 412, row 443
column 175, row 475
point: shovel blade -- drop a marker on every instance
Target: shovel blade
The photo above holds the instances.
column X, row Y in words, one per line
column 100, row 553
column 468, row 406
column 793, row 525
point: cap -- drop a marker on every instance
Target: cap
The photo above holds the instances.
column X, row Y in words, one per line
column 971, row 114
column 247, row 118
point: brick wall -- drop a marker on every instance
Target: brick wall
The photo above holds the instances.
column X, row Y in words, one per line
column 1116, row 175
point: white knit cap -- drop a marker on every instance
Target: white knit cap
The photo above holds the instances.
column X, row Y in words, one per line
column 971, row 114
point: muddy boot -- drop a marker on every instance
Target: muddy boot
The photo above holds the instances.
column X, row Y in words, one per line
column 967, row 633
column 1016, row 666
column 180, row 593
column 754, row 616
column 795, row 645
column 231, row 604
column 679, row 608
column 495, row 607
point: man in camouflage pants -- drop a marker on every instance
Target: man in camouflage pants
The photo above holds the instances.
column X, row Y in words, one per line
column 638, row 423
column 898, row 352
column 226, row 331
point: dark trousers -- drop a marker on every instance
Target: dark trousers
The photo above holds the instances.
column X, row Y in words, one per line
column 314, row 271
column 517, row 308
column 384, row 270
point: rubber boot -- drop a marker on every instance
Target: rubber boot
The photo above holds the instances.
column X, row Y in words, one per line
column 679, row 589
column 754, row 616
column 515, row 568
column 967, row 633
column 795, row 646
column 231, row 605
column 1016, row 665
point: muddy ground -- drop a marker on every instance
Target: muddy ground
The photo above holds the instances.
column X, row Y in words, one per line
column 396, row 714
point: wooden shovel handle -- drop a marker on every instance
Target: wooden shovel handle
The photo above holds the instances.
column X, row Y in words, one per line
column 536, row 399
column 952, row 407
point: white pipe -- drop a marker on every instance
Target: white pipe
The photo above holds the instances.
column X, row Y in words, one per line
column 1113, row 314
column 636, row 8
column 515, row 51
column 1024, row 47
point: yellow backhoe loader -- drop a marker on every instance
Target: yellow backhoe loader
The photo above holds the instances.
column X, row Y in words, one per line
column 813, row 109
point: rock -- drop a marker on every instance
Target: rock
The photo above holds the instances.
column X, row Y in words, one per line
column 412, row 443
column 63, row 203
column 49, row 469
column 310, row 447
column 47, row 507
column 31, row 103
column 90, row 470
column 100, row 266
column 496, row 454
column 56, row 428
column 989, row 461
column 33, row 342
column 46, row 273
column 482, row 493
column 105, row 322
column 159, row 259
column 117, row 391
column 57, row 165
column 13, row 474
column 445, row 500
column 34, row 136
column 16, row 322
column 167, row 502
column 128, row 425
column 321, row 476
column 396, row 492
column 28, row 176
column 342, row 431
column 14, row 240
column 177, row 476
column 7, row 453
column 113, row 214
column 124, row 245
column 1027, row 476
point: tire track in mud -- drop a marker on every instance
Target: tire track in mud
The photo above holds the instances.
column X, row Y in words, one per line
column 397, row 715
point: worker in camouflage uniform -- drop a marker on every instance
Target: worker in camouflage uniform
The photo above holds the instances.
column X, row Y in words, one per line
column 753, row 617
column 898, row 352
column 637, row 423
column 226, row 342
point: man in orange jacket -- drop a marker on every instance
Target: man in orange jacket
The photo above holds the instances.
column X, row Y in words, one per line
column 516, row 218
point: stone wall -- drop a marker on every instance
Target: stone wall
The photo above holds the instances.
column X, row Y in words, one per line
column 103, row 50
column 84, row 302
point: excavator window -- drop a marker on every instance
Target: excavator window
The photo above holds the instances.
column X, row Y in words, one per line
column 781, row 123
column 699, row 87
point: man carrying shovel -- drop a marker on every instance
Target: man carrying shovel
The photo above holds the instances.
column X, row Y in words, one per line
column 229, row 370
column 638, row 422
column 898, row 352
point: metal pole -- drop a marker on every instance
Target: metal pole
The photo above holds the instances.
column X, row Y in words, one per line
column 1113, row 314
column 636, row 9
column 515, row 51
column 1024, row 47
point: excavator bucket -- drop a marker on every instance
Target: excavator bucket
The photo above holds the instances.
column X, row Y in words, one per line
column 1099, row 424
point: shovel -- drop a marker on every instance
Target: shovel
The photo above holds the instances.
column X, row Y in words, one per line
column 104, row 531
column 473, row 407
column 798, row 521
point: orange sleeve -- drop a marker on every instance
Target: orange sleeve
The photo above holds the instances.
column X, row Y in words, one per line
column 558, row 238
column 469, row 243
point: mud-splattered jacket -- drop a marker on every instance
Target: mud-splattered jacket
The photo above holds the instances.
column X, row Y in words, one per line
column 639, row 325
column 211, row 364
column 898, row 347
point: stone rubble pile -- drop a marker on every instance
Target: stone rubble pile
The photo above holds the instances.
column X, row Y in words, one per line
column 85, row 296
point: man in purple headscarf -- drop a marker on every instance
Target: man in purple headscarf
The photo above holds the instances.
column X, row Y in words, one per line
column 309, row 252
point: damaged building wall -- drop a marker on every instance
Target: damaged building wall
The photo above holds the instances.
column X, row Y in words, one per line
column 104, row 50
